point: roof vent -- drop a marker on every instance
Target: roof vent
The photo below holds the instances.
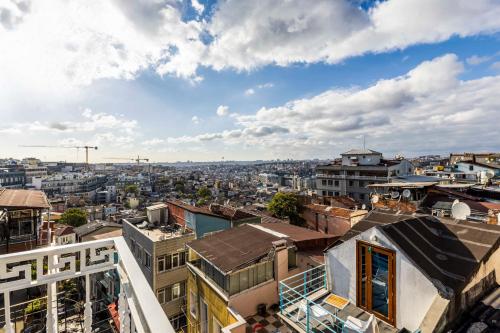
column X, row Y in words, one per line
column 279, row 244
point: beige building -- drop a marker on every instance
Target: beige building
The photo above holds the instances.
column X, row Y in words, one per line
column 159, row 249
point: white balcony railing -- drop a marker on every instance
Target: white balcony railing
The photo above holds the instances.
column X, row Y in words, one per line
column 138, row 308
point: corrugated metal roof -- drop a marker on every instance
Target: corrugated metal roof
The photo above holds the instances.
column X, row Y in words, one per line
column 23, row 199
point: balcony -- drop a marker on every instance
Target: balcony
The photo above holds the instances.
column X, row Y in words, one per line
column 305, row 307
column 87, row 263
column 353, row 177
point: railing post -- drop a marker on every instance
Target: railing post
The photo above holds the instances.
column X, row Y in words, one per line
column 281, row 297
column 307, row 316
column 9, row 326
column 87, row 313
column 52, row 320
column 305, row 283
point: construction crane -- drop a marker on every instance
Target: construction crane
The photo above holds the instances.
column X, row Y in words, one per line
column 138, row 159
column 70, row 147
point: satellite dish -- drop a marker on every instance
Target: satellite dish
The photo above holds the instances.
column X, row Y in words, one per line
column 454, row 202
column 363, row 206
column 374, row 199
column 490, row 174
column 406, row 193
column 394, row 194
column 460, row 211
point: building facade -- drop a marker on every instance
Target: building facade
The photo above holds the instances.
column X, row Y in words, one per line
column 351, row 174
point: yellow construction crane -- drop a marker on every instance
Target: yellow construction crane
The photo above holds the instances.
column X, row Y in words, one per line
column 70, row 147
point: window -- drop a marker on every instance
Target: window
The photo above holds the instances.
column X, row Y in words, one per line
column 471, row 168
column 323, row 182
column 178, row 321
column 147, row 259
column 361, row 196
column 161, row 264
column 330, row 182
column 171, row 261
column 250, row 277
column 351, row 183
column 217, row 326
column 172, row 292
column 336, row 183
column 324, row 193
column 193, row 306
column 330, row 193
column 138, row 253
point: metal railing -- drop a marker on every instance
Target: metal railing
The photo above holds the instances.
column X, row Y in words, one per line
column 139, row 310
column 298, row 304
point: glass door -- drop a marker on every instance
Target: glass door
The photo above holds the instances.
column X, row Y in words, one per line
column 376, row 280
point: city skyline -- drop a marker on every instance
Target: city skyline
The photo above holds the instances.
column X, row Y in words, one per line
column 202, row 80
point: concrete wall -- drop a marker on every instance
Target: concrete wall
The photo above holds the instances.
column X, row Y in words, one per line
column 362, row 159
column 414, row 292
column 245, row 303
column 130, row 232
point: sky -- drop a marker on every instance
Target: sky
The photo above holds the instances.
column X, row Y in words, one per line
column 205, row 80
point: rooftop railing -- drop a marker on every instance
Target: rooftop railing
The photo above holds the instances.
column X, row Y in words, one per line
column 138, row 308
column 299, row 302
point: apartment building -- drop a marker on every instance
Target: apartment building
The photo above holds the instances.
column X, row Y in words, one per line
column 204, row 220
column 12, row 178
column 21, row 219
column 33, row 171
column 356, row 169
column 234, row 274
column 331, row 220
column 82, row 184
column 159, row 248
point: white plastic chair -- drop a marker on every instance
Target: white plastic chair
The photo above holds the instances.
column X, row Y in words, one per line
column 316, row 311
column 358, row 325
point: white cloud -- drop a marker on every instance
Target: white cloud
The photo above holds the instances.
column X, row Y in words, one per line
column 495, row 65
column 476, row 60
column 426, row 109
column 51, row 47
column 247, row 36
column 199, row 7
column 153, row 142
column 195, row 119
column 222, row 110
column 249, row 92
column 265, row 85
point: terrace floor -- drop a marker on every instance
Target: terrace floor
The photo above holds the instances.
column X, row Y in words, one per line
column 350, row 310
column 269, row 323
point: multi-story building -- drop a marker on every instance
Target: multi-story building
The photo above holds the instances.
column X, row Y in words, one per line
column 159, row 248
column 21, row 219
column 33, row 171
column 12, row 178
column 355, row 170
column 82, row 184
column 234, row 274
column 205, row 220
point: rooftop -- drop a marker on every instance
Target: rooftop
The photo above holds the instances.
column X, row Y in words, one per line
column 89, row 228
column 361, row 152
column 23, row 199
column 238, row 247
column 157, row 233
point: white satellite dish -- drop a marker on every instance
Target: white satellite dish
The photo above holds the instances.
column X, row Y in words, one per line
column 454, row 202
column 406, row 193
column 374, row 199
column 363, row 206
column 490, row 174
column 394, row 194
column 460, row 211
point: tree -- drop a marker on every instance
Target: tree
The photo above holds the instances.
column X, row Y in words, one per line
column 204, row 193
column 74, row 217
column 285, row 205
column 132, row 189
column 179, row 187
